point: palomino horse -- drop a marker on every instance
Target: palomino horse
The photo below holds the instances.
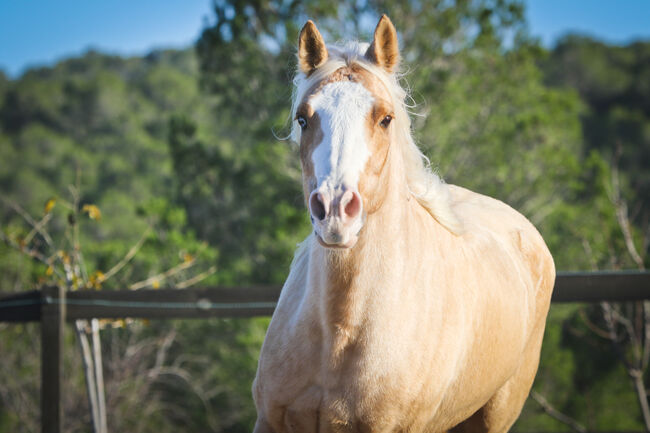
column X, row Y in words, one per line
column 415, row 306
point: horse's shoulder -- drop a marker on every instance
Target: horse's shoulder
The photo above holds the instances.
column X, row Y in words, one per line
column 293, row 290
column 291, row 320
column 492, row 218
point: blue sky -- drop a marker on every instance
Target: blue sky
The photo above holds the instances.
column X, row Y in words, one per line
column 39, row 32
column 614, row 21
column 36, row 32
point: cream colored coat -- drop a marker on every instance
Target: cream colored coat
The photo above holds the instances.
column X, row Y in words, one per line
column 414, row 330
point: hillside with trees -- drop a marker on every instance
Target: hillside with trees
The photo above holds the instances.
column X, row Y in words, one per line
column 613, row 81
column 177, row 162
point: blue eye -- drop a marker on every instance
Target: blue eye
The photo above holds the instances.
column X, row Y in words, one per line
column 302, row 122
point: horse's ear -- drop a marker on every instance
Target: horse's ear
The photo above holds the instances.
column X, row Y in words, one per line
column 312, row 52
column 384, row 50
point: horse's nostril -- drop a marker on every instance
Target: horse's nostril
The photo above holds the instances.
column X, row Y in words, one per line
column 352, row 204
column 317, row 206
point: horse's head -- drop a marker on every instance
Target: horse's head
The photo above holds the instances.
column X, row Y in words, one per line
column 344, row 115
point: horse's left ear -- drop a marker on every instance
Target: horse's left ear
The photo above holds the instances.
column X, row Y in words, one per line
column 384, row 50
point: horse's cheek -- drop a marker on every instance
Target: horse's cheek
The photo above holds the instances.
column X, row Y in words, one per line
column 372, row 182
column 307, row 146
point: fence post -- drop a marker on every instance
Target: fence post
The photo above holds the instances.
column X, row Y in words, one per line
column 52, row 327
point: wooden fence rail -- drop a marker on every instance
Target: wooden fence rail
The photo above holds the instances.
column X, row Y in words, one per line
column 191, row 303
column 52, row 307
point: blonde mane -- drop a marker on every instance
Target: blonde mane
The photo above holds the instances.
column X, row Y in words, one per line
column 426, row 186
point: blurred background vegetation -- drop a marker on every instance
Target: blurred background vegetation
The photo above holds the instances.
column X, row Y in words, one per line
column 178, row 151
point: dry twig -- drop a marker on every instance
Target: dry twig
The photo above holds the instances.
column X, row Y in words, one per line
column 556, row 414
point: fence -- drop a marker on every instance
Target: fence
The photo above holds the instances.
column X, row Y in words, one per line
column 52, row 307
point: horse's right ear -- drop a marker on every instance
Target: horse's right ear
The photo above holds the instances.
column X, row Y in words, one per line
column 312, row 52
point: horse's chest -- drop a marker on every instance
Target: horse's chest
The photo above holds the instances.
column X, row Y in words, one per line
column 340, row 409
column 349, row 392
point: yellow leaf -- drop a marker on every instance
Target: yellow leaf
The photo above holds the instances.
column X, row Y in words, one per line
column 155, row 284
column 93, row 211
column 96, row 279
column 49, row 271
column 65, row 258
column 50, row 205
column 187, row 257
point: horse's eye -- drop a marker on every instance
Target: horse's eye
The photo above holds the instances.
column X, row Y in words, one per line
column 386, row 121
column 302, row 122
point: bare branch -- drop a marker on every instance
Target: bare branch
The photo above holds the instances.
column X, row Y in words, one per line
column 590, row 253
column 196, row 279
column 127, row 258
column 38, row 228
column 627, row 323
column 29, row 252
column 163, row 275
column 624, row 223
column 613, row 335
column 620, row 206
column 27, row 217
column 592, row 326
column 164, row 347
column 556, row 414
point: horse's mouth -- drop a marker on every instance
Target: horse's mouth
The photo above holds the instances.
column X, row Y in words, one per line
column 337, row 245
column 333, row 232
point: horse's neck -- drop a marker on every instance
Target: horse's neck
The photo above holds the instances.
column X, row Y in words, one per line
column 350, row 282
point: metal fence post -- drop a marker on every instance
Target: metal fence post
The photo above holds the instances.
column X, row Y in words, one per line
column 52, row 327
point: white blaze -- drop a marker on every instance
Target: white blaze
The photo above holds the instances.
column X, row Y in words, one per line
column 341, row 156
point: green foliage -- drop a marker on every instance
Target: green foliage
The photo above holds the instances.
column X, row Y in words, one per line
column 613, row 80
column 243, row 198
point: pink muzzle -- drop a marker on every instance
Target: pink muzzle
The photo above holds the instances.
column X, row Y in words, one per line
column 337, row 217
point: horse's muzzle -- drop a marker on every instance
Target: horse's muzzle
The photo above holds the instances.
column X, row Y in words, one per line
column 336, row 217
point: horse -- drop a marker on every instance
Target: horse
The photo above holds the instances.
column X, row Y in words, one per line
column 414, row 305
